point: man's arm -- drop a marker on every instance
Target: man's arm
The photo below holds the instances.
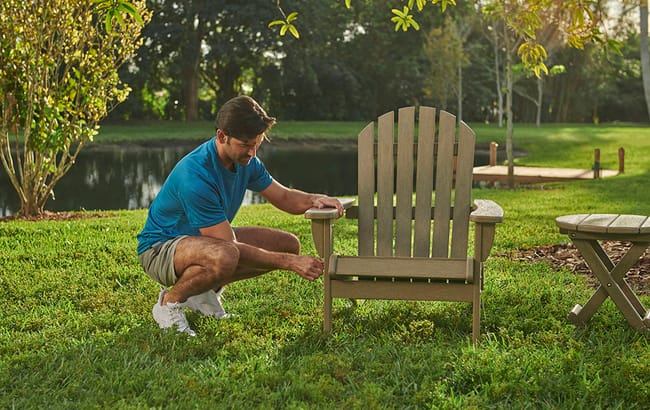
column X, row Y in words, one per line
column 258, row 259
column 295, row 201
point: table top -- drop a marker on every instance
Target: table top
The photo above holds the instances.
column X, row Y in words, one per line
column 605, row 223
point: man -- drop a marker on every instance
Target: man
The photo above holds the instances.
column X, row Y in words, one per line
column 188, row 242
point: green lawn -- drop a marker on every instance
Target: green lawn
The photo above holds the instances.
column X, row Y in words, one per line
column 170, row 130
column 76, row 329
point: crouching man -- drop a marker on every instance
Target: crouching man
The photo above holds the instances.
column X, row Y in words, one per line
column 188, row 244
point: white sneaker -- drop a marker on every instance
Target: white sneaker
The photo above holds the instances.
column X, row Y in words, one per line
column 171, row 314
column 209, row 304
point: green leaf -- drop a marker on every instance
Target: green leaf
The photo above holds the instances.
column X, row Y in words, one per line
column 131, row 10
column 398, row 13
column 119, row 18
column 294, row 31
column 403, row 19
column 558, row 69
column 286, row 25
column 108, row 23
column 115, row 8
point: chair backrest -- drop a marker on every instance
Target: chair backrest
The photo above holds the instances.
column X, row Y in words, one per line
column 444, row 151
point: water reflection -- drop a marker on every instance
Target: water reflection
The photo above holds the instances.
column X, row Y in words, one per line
column 130, row 176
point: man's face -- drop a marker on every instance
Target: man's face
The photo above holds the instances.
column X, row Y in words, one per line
column 242, row 152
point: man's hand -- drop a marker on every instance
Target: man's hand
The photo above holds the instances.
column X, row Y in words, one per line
column 328, row 202
column 308, row 267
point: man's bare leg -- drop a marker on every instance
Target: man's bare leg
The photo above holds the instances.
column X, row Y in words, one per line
column 203, row 263
column 273, row 240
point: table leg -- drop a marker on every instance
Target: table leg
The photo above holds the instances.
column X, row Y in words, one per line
column 612, row 283
column 628, row 260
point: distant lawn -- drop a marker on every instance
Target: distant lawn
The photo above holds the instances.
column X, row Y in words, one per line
column 175, row 130
column 551, row 145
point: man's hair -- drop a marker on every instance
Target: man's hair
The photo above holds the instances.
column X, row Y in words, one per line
column 243, row 118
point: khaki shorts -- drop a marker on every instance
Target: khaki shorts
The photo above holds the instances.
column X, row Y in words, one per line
column 158, row 261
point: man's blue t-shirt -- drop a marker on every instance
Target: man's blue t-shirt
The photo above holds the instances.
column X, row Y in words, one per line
column 200, row 192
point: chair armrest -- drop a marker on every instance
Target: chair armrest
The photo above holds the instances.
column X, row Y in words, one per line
column 328, row 213
column 322, row 227
column 486, row 211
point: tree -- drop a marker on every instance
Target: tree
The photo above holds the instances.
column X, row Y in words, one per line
column 447, row 56
column 524, row 26
column 576, row 18
column 344, row 63
column 198, row 51
column 644, row 52
column 58, row 79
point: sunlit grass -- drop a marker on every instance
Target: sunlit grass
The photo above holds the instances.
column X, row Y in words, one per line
column 76, row 328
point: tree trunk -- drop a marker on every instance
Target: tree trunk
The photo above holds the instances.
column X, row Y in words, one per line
column 192, row 72
column 227, row 76
column 459, row 95
column 497, row 71
column 191, row 84
column 540, row 98
column 509, row 124
column 645, row 56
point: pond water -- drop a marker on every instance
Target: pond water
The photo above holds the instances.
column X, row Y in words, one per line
column 109, row 177
column 129, row 176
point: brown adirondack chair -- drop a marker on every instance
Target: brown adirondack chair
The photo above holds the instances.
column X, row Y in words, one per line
column 419, row 252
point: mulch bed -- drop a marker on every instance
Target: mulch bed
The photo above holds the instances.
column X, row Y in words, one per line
column 567, row 256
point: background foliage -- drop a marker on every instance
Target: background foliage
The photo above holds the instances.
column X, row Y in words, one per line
column 58, row 79
column 352, row 65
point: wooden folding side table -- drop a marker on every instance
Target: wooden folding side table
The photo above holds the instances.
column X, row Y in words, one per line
column 586, row 230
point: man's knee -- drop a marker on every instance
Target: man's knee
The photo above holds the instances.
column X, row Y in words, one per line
column 225, row 257
column 292, row 243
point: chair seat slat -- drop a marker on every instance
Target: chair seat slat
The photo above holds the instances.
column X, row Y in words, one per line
column 402, row 267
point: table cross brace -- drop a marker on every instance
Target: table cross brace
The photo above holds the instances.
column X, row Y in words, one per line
column 612, row 283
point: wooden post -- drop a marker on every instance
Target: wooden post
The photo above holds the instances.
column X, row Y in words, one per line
column 493, row 153
column 597, row 163
column 621, row 160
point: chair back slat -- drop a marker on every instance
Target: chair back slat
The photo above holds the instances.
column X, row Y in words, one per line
column 403, row 229
column 404, row 188
column 366, row 190
column 444, row 183
column 463, row 191
column 424, row 182
column 385, row 183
